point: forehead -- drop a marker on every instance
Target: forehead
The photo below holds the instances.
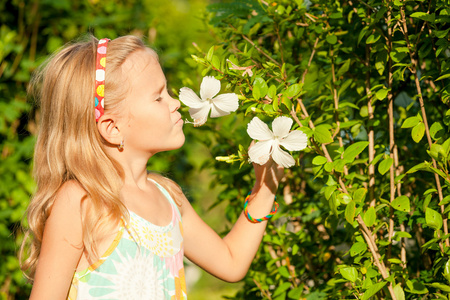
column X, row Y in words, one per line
column 141, row 61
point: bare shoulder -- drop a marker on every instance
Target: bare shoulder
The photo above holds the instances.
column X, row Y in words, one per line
column 64, row 222
column 69, row 198
column 62, row 244
column 65, row 213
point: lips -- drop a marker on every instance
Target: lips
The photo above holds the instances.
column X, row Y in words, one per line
column 179, row 120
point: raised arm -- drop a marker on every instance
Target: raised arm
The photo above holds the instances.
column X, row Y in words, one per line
column 61, row 246
column 229, row 258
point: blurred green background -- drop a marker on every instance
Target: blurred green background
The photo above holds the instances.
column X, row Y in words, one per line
column 30, row 31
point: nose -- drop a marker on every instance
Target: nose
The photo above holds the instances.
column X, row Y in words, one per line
column 175, row 104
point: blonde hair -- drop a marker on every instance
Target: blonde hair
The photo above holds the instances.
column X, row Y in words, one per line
column 70, row 147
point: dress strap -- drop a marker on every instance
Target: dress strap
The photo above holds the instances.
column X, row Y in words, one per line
column 167, row 195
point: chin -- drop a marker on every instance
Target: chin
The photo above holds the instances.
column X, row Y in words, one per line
column 181, row 142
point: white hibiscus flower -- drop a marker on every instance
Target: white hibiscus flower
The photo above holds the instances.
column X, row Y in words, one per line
column 219, row 106
column 269, row 142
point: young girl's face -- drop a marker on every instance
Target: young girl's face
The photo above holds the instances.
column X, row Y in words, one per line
column 152, row 121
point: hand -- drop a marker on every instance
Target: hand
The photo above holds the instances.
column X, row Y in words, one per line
column 268, row 175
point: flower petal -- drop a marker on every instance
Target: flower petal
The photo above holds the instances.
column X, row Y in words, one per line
column 296, row 140
column 281, row 126
column 217, row 112
column 258, row 130
column 189, row 98
column 200, row 114
column 226, row 103
column 260, row 152
column 282, row 158
column 209, row 88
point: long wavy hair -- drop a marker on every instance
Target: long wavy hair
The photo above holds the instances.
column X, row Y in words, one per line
column 70, row 147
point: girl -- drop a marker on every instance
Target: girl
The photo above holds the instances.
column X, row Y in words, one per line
column 102, row 227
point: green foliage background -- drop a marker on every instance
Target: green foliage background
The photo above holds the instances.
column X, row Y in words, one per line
column 364, row 211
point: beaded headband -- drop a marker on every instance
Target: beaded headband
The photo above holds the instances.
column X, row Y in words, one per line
column 100, row 78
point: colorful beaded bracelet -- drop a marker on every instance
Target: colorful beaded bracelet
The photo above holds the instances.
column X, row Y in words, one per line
column 251, row 219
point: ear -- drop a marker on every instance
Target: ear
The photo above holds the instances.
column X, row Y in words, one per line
column 108, row 127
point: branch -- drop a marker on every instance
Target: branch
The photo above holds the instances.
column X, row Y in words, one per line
column 371, row 133
column 424, row 118
column 391, row 134
column 261, row 51
column 336, row 107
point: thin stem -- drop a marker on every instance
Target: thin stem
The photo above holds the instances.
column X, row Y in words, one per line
column 424, row 118
column 261, row 51
column 371, row 133
column 336, row 106
column 399, row 193
column 391, row 133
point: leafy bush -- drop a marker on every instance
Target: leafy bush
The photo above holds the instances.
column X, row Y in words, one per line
column 29, row 32
column 364, row 213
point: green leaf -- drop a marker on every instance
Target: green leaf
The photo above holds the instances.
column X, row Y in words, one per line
column 209, row 56
column 417, row 132
column 319, row 160
column 293, row 90
column 373, row 38
column 425, row 166
column 437, row 152
column 423, row 16
column 328, row 191
column 439, row 172
column 344, row 68
column 354, row 150
column 380, row 66
column 283, row 271
column 411, row 122
column 349, row 273
column 399, row 293
column 286, row 101
column 441, row 33
column 332, row 39
column 401, row 234
column 275, row 103
column 358, row 248
column 281, row 289
column 272, row 92
column 344, row 198
column 445, row 201
column 440, row 286
column 216, row 62
column 376, row 159
column 401, row 203
column 350, row 212
column 443, row 77
column 433, row 219
column 416, row 287
column 381, row 94
column 372, row 290
column 322, row 134
column 359, row 195
column 295, row 293
column 259, row 88
column 370, row 216
column 447, row 270
column 437, row 131
column 385, row 165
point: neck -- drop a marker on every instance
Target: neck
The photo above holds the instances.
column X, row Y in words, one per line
column 133, row 164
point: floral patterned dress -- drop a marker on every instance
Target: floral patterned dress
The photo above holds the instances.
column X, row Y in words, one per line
column 144, row 261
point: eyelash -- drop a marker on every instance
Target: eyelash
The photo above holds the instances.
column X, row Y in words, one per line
column 158, row 99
